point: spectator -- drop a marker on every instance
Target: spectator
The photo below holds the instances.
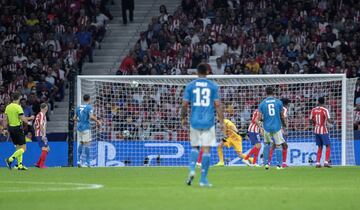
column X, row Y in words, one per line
column 284, row 65
column 85, row 40
column 127, row 5
column 219, row 48
column 128, row 64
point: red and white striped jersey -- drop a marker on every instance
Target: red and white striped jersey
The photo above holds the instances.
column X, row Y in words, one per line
column 40, row 121
column 319, row 116
column 253, row 127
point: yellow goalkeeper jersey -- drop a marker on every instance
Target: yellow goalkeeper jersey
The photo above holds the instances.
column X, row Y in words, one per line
column 230, row 129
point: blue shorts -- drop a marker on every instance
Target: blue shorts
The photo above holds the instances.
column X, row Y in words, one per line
column 41, row 142
column 254, row 138
column 322, row 139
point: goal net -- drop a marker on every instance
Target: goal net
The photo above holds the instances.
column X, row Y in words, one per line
column 141, row 116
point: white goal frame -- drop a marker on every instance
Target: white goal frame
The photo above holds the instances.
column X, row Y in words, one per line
column 301, row 77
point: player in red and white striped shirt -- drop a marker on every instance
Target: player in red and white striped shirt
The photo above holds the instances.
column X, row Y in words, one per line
column 40, row 135
column 254, row 136
column 318, row 118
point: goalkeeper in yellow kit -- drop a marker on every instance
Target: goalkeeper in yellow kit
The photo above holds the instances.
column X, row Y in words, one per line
column 232, row 139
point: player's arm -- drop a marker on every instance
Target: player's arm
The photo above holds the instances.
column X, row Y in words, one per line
column 5, row 122
column 220, row 114
column 258, row 122
column 283, row 119
column 43, row 128
column 311, row 121
column 328, row 119
column 184, row 112
column 94, row 118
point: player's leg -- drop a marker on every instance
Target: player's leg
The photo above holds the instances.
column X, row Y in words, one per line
column 21, row 146
column 198, row 162
column 195, row 143
column 221, row 153
column 80, row 148
column 20, row 156
column 18, row 151
column 255, row 140
column 284, row 154
column 319, row 151
column 44, row 152
column 267, row 146
column 279, row 140
column 208, row 139
column 38, row 139
column 87, row 153
column 271, row 152
column 326, row 142
column 256, row 153
column 236, row 142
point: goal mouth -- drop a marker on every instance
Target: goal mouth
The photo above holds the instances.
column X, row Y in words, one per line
column 141, row 116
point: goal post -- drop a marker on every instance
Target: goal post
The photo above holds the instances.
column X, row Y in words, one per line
column 141, row 116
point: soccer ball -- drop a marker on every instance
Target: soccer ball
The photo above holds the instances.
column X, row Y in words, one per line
column 134, row 84
column 126, row 133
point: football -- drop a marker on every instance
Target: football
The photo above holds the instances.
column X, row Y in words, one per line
column 126, row 133
column 134, row 84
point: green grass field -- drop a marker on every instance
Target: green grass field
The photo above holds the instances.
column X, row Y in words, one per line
column 165, row 189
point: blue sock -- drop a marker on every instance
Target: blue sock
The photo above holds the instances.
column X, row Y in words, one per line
column 193, row 158
column 205, row 164
column 87, row 154
column 266, row 153
column 278, row 152
column 80, row 151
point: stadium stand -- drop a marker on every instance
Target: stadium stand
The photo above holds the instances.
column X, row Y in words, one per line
column 41, row 42
column 251, row 37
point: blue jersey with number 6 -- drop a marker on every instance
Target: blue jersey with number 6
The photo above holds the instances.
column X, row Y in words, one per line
column 271, row 108
column 83, row 113
column 201, row 94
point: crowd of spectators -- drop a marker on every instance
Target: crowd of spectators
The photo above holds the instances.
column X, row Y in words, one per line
column 252, row 37
column 41, row 42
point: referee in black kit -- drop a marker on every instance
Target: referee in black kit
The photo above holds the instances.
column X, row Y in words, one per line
column 14, row 118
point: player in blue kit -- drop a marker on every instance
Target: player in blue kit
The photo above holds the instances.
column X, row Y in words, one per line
column 83, row 116
column 203, row 98
column 272, row 115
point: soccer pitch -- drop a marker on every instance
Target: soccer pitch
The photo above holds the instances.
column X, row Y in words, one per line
column 164, row 189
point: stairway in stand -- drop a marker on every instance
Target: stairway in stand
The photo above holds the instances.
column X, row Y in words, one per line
column 118, row 40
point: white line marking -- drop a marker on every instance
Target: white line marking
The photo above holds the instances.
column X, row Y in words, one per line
column 63, row 186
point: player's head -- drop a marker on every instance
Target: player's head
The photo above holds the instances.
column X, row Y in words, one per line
column 86, row 98
column 285, row 101
column 44, row 107
column 15, row 96
column 269, row 91
column 321, row 101
column 202, row 69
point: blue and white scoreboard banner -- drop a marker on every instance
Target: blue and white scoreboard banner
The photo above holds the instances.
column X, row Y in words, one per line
column 301, row 152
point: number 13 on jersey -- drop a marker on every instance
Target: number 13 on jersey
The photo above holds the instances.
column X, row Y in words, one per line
column 202, row 97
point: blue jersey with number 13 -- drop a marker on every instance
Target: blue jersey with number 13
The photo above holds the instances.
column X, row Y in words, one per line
column 271, row 108
column 201, row 94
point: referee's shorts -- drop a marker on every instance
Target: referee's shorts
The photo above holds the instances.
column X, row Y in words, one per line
column 17, row 135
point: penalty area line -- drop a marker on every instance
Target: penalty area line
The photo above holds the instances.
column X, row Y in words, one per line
column 54, row 186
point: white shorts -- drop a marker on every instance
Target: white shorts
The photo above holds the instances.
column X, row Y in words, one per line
column 84, row 136
column 203, row 137
column 278, row 137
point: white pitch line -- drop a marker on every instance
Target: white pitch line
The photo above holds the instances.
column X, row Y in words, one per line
column 70, row 186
